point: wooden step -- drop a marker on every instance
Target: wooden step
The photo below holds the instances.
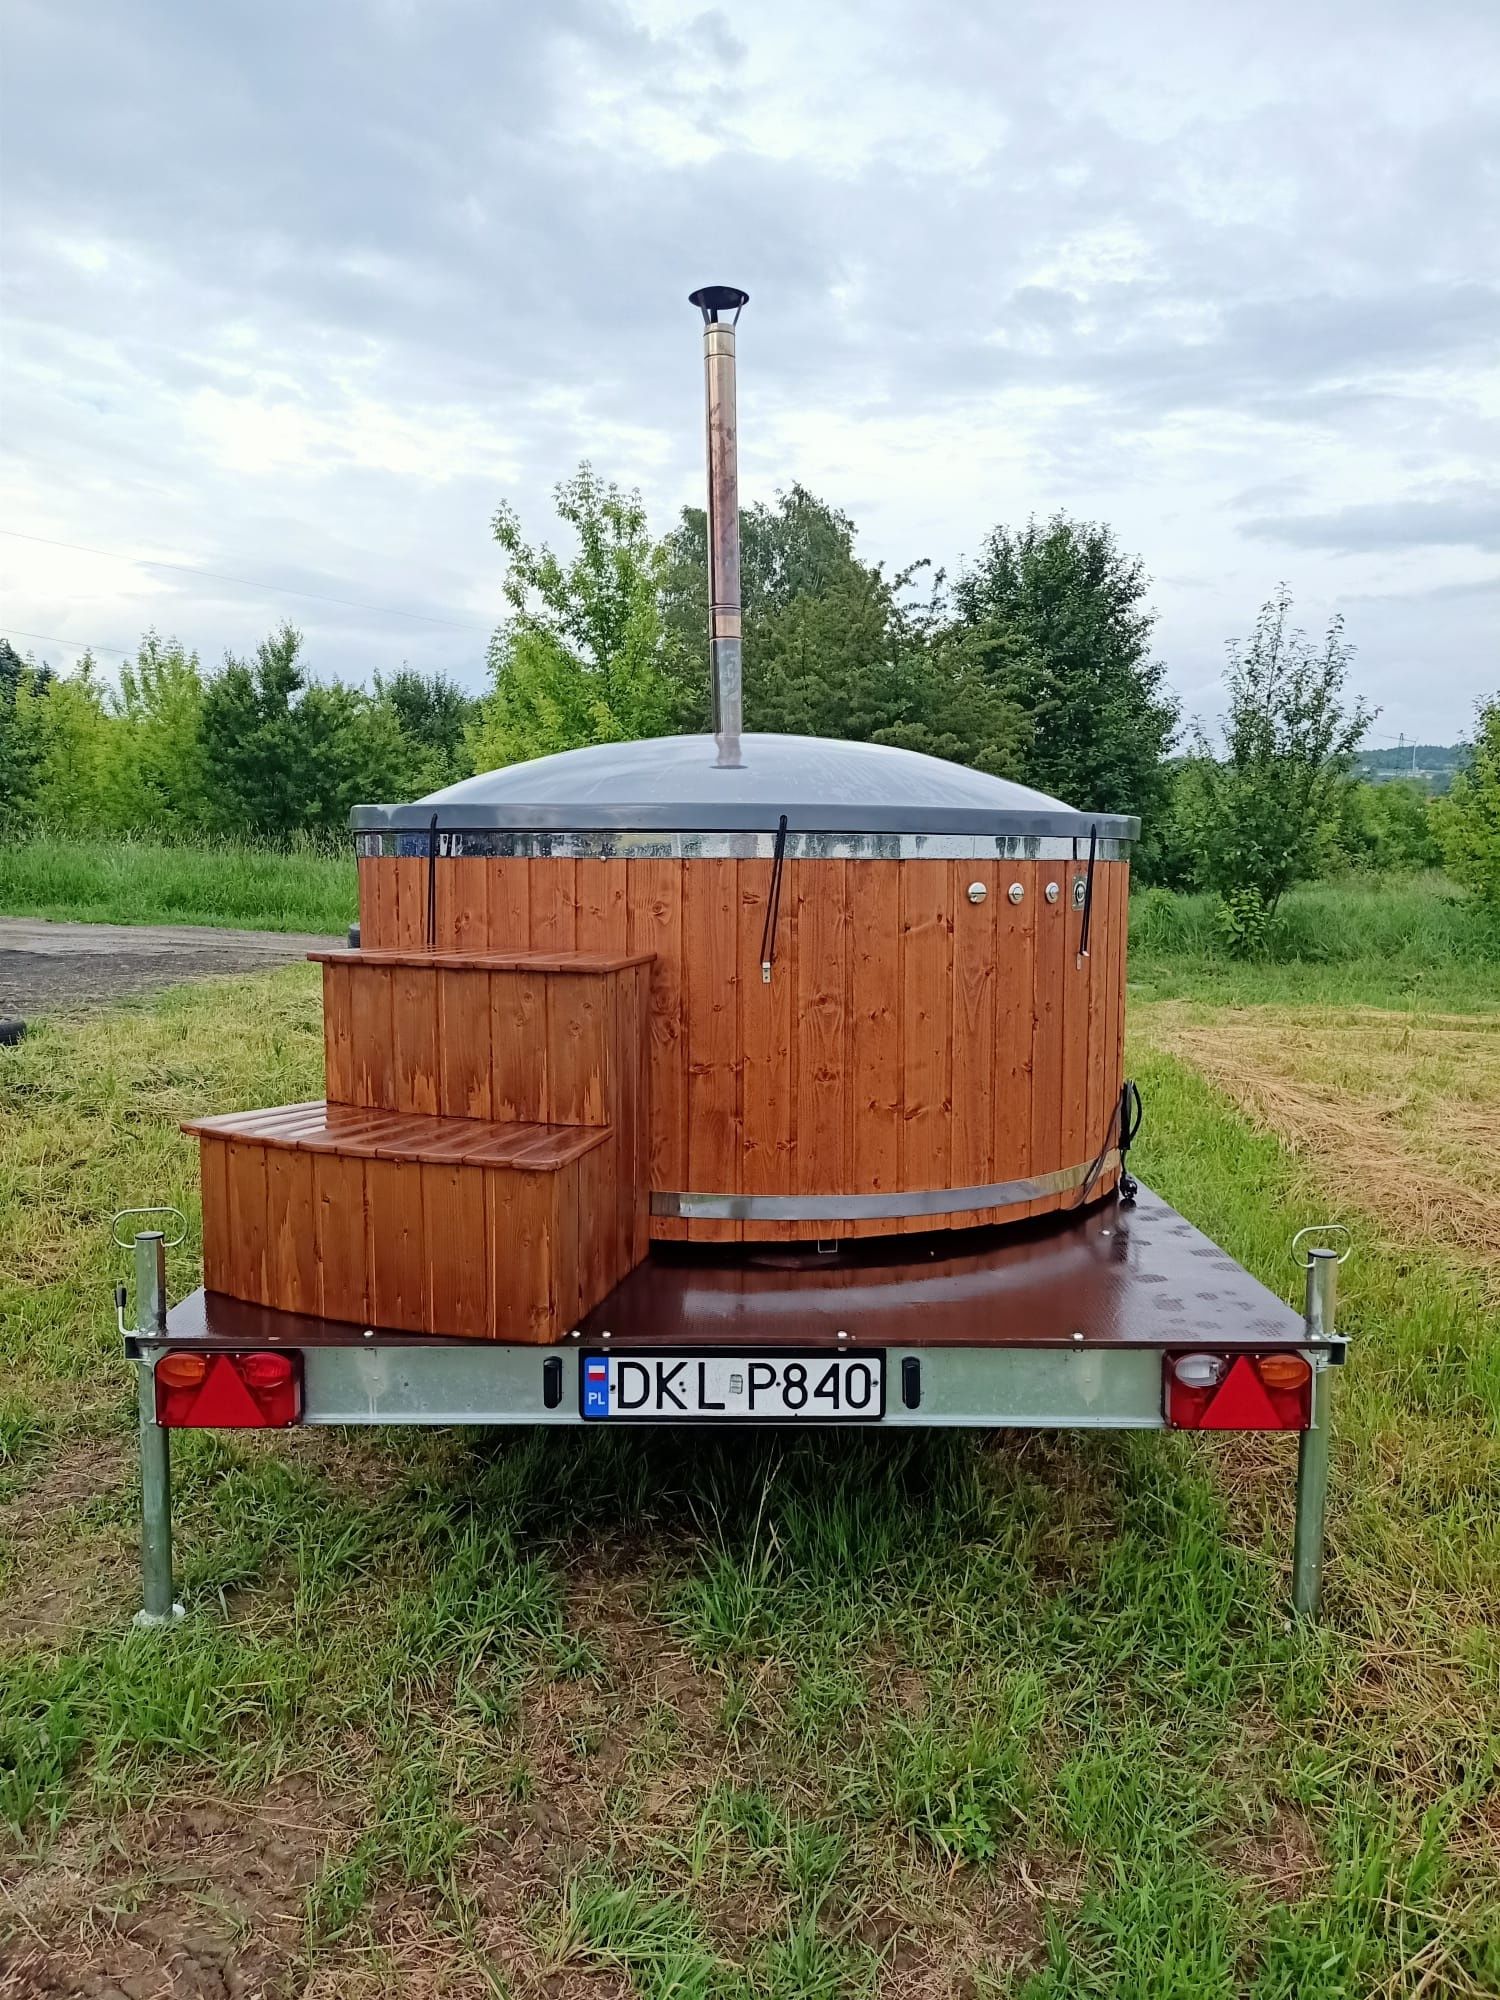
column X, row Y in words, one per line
column 551, row 1038
column 529, row 1038
column 424, row 1224
column 319, row 1127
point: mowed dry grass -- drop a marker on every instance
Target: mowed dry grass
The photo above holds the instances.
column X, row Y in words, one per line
column 1400, row 1113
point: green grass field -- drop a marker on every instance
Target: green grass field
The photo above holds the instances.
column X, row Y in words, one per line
column 1404, row 941
column 120, row 880
column 526, row 1714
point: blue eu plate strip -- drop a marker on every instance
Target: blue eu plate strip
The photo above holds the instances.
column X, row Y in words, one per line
column 595, row 1386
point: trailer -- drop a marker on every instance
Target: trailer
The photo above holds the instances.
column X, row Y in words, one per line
column 733, row 1078
column 1128, row 1318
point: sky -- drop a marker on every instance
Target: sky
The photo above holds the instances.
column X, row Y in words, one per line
column 297, row 294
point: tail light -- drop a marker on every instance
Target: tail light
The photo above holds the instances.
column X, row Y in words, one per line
column 1248, row 1392
column 1200, row 1371
column 181, row 1371
column 1282, row 1371
column 197, row 1391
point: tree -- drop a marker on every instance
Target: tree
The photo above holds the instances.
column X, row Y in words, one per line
column 258, row 748
column 1056, row 618
column 22, row 685
column 1268, row 810
column 835, row 647
column 1167, row 856
column 434, row 715
column 158, row 776
column 585, row 655
column 75, row 782
column 287, row 755
column 113, row 760
column 1469, row 818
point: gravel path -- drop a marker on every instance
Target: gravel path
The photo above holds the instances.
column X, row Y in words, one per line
column 58, row 968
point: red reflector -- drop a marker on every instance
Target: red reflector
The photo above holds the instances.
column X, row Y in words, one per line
column 237, row 1392
column 224, row 1399
column 1242, row 1401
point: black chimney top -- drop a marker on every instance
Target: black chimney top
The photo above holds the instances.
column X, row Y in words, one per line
column 711, row 300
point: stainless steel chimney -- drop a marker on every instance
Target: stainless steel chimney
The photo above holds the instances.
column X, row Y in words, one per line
column 723, row 515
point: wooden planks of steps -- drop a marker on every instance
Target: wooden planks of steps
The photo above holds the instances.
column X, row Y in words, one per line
column 479, row 1166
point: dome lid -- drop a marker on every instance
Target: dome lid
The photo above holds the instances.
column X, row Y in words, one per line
column 673, row 783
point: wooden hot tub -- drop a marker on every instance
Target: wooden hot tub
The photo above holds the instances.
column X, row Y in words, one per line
column 931, row 1049
column 628, row 994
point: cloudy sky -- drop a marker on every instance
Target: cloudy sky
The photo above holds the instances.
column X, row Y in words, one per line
column 295, row 293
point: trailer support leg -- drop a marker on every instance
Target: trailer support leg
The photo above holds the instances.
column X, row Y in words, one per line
column 1312, row 1451
column 158, row 1604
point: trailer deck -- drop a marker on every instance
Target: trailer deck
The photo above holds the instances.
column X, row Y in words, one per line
column 1067, row 1323
column 1063, row 1321
column 1119, row 1275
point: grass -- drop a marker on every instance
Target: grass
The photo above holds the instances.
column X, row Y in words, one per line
column 671, row 1716
column 1397, row 1107
column 120, row 879
column 1397, row 941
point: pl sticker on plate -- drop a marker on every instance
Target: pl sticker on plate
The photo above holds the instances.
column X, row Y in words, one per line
column 596, row 1385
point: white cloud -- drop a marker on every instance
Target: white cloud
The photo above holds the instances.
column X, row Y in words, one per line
column 299, row 294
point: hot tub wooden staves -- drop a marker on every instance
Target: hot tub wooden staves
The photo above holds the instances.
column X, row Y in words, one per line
column 912, row 1040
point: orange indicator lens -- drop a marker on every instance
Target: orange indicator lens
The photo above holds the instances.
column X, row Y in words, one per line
column 1282, row 1371
column 182, row 1371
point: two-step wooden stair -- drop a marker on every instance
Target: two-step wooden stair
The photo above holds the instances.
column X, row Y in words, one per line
column 478, row 1166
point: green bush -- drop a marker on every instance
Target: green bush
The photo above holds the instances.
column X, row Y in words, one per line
column 1389, row 829
column 1245, row 923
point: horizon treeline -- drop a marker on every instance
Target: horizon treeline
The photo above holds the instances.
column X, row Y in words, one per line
column 1034, row 663
column 256, row 748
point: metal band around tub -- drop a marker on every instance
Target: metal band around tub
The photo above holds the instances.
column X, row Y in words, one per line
column 595, row 845
column 871, row 1207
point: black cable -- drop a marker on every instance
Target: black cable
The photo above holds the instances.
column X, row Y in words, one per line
column 773, row 903
column 1131, row 1113
column 1125, row 1120
column 77, row 645
column 1088, row 895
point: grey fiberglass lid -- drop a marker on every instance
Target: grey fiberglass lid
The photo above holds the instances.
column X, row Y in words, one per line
column 672, row 783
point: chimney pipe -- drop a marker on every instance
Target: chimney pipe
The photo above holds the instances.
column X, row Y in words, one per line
column 723, row 515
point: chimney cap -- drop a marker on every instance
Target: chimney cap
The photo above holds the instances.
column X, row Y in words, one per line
column 711, row 300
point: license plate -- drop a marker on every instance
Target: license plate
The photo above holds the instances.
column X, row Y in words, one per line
column 735, row 1388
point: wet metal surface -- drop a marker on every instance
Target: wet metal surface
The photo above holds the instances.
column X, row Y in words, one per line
column 1118, row 1276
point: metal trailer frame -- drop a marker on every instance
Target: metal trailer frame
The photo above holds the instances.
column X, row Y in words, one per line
column 396, row 1379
